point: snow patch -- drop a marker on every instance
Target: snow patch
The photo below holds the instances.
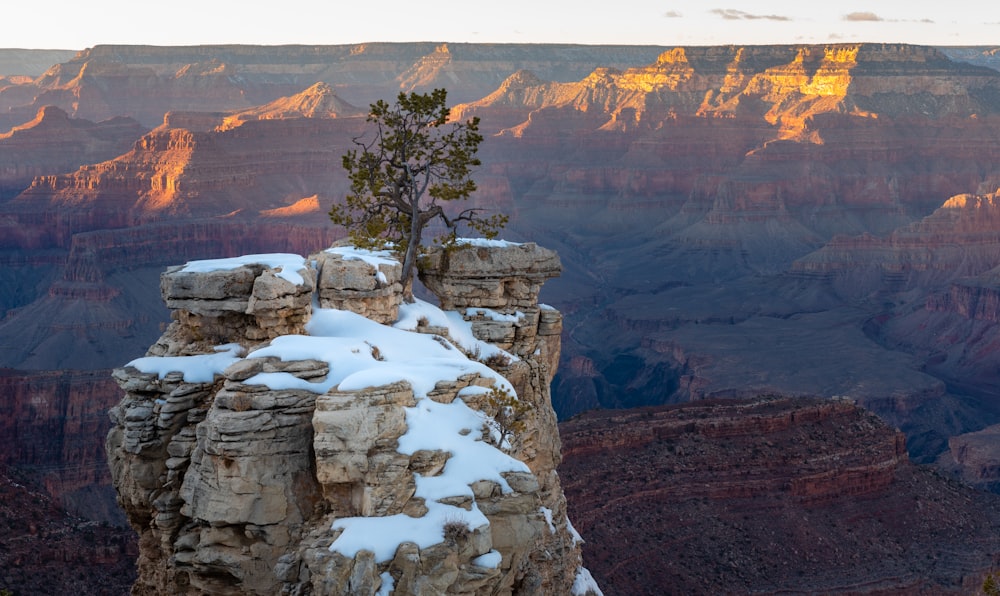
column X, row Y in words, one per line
column 548, row 518
column 388, row 584
column 287, row 265
column 201, row 368
column 490, row 560
column 494, row 243
column 584, row 583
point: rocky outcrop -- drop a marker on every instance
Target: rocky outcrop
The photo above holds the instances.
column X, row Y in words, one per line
column 975, row 458
column 937, row 279
column 769, row 495
column 204, row 171
column 252, row 458
column 959, row 239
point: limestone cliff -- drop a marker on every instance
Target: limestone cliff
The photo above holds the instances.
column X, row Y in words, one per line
column 361, row 445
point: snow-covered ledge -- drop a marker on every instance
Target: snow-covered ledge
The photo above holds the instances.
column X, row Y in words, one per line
column 350, row 455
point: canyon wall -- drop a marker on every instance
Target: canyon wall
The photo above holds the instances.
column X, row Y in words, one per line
column 768, row 495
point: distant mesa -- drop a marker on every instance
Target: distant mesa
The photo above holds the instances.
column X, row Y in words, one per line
column 318, row 101
column 307, row 206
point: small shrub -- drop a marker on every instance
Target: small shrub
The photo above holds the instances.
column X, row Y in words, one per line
column 507, row 416
column 456, row 530
column 497, row 360
column 376, row 353
column 991, row 585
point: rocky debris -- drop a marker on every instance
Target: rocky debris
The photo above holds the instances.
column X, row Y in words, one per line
column 770, row 495
column 257, row 474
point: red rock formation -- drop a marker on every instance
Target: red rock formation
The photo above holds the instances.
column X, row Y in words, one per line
column 54, row 143
column 773, row 495
column 45, row 551
column 945, row 266
column 975, row 458
column 51, row 424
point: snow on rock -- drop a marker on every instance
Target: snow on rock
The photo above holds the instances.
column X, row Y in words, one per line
column 585, row 584
column 201, row 368
column 339, row 438
column 286, row 265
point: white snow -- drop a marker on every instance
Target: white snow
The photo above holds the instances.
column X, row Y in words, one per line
column 457, row 429
column 584, row 582
column 490, row 560
column 348, row 341
column 388, row 584
column 486, row 242
column 572, row 532
column 195, row 369
column 287, row 264
column 493, row 315
column 548, row 518
column 459, row 330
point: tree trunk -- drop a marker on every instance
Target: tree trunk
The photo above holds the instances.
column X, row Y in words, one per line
column 410, row 257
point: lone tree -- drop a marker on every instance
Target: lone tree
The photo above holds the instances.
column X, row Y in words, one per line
column 399, row 180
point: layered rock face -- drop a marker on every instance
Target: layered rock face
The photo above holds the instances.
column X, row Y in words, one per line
column 54, row 143
column 358, row 467
column 769, row 495
column 148, row 81
column 47, row 423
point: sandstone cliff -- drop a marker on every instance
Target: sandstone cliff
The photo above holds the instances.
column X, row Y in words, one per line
column 358, row 446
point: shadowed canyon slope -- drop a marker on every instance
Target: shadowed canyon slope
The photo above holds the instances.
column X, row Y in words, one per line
column 703, row 200
column 768, row 496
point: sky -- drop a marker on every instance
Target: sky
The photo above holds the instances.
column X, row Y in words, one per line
column 75, row 25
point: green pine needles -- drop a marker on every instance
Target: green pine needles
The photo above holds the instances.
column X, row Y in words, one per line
column 400, row 179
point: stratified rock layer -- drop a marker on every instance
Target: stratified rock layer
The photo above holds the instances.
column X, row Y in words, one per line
column 237, row 487
column 770, row 495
